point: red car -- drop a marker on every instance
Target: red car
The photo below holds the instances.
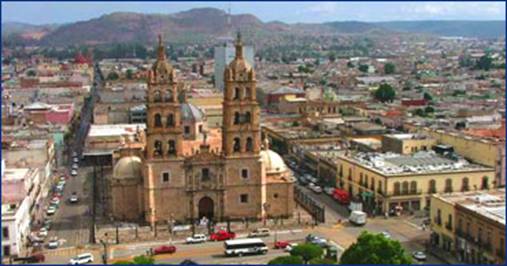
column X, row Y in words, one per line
column 281, row 244
column 164, row 250
column 222, row 235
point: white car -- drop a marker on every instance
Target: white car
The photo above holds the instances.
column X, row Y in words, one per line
column 43, row 232
column 290, row 246
column 73, row 199
column 75, row 166
column 51, row 210
column 74, row 154
column 55, row 201
column 419, row 255
column 53, row 243
column 197, row 238
column 73, row 173
column 76, row 160
column 82, row 259
column 386, row 235
column 317, row 189
column 61, row 183
column 329, row 190
column 62, row 178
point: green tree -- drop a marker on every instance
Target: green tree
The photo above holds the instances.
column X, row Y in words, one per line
column 307, row 252
column 332, row 56
column 112, row 76
column 31, row 73
column 363, row 68
column 427, row 96
column 286, row 260
column 419, row 112
column 322, row 261
column 484, row 63
column 389, row 68
column 130, row 73
column 350, row 64
column 385, row 93
column 429, row 109
column 375, row 249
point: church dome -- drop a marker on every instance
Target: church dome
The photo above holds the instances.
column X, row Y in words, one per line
column 272, row 162
column 128, row 168
column 190, row 112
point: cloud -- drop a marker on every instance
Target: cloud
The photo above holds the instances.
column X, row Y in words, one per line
column 324, row 8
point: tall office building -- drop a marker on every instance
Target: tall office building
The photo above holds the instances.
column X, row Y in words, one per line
column 224, row 54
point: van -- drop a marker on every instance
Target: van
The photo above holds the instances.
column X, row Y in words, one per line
column 82, row 259
column 358, row 218
column 260, row 232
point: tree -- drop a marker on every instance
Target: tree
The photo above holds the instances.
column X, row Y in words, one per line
column 389, row 68
column 286, row 260
column 429, row 109
column 332, row 57
column 375, row 249
column 419, row 112
column 112, row 76
column 307, row 252
column 484, row 63
column 385, row 93
column 427, row 96
column 350, row 64
column 363, row 68
column 322, row 261
column 130, row 73
column 31, row 73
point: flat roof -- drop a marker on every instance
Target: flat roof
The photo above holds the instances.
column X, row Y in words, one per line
column 114, row 130
column 15, row 174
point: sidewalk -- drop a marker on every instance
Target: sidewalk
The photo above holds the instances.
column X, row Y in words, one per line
column 444, row 256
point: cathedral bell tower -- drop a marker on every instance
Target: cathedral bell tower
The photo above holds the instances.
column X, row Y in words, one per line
column 164, row 134
column 241, row 125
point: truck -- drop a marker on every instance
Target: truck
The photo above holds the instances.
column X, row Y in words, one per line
column 342, row 196
column 355, row 206
column 357, row 218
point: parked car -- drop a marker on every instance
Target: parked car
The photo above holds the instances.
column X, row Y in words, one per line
column 55, row 201
column 260, row 232
column 222, row 235
column 280, row 244
column 419, row 255
column 322, row 242
column 82, row 259
column 317, row 189
column 35, row 258
column 197, row 238
column 73, row 173
column 51, row 210
column 75, row 166
column 289, row 247
column 166, row 249
column 63, row 178
column 358, row 218
column 74, row 154
column 53, row 243
column 386, row 234
column 47, row 224
column 43, row 232
column 76, row 160
column 329, row 190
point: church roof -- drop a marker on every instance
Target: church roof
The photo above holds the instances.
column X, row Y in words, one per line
column 128, row 168
column 190, row 112
column 272, row 162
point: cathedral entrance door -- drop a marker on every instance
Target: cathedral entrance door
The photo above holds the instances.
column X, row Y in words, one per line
column 206, row 208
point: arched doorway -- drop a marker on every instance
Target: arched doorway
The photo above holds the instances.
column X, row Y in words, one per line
column 206, row 208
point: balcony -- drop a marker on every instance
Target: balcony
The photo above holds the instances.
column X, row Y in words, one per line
column 437, row 220
column 448, row 226
column 406, row 193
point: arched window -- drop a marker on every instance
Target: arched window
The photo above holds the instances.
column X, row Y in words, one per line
column 249, row 144
column 158, row 120
column 360, row 179
column 432, row 188
column 170, row 120
column 404, row 187
column 397, row 188
column 379, row 189
column 168, row 95
column 485, row 183
column 236, row 145
column 172, row 147
column 448, row 185
column 413, row 187
column 366, row 181
column 236, row 93
column 465, row 185
column 247, row 117
column 372, row 184
column 157, row 151
column 156, row 96
column 236, row 118
column 248, row 93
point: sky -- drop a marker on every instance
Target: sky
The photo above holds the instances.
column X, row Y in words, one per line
column 289, row 12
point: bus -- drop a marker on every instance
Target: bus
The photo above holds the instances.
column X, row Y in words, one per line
column 240, row 247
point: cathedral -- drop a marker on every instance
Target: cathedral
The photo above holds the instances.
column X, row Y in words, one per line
column 178, row 169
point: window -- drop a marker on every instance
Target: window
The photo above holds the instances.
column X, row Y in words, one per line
column 248, row 93
column 448, row 185
column 243, row 198
column 200, row 128
column 156, row 96
column 166, row 176
column 205, row 174
column 464, row 185
column 172, row 147
column 236, row 146
column 158, row 120
column 5, row 233
column 449, row 222
column 249, row 144
column 157, row 148
column 404, row 187
column 372, row 184
column 485, row 184
column 168, row 95
column 236, row 93
column 187, row 130
column 7, row 251
column 413, row 187
column 236, row 118
column 379, row 186
column 360, row 179
column 244, row 173
column 366, row 181
column 247, row 117
column 397, row 188
column 432, row 186
column 170, row 120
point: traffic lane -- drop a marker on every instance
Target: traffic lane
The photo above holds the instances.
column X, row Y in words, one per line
column 140, row 249
column 338, row 211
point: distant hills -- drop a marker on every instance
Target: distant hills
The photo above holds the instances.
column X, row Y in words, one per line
column 202, row 24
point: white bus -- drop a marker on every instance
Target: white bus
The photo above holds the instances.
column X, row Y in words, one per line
column 239, row 247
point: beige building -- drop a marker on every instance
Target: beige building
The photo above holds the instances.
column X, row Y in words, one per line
column 406, row 143
column 470, row 225
column 225, row 175
column 387, row 180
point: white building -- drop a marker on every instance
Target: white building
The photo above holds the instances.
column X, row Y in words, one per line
column 224, row 55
